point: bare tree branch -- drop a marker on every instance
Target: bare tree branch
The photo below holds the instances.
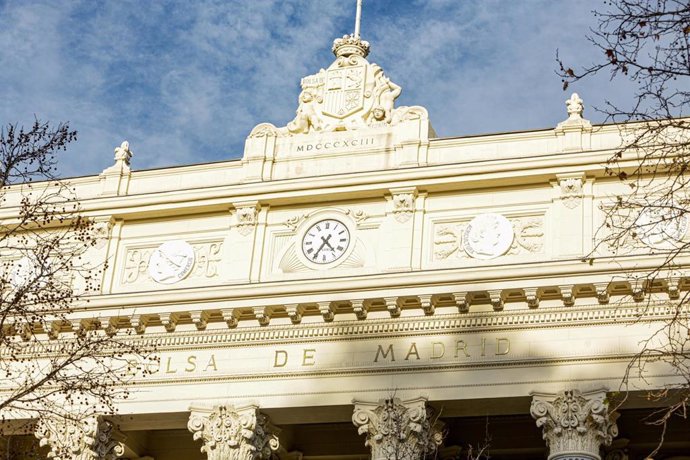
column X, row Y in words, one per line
column 648, row 43
column 50, row 364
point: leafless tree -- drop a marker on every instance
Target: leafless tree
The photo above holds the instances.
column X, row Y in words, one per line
column 647, row 42
column 51, row 366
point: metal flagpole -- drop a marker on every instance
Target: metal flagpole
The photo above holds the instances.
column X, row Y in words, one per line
column 357, row 17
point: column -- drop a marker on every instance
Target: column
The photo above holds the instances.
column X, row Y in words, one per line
column 397, row 430
column 80, row 439
column 575, row 425
column 233, row 433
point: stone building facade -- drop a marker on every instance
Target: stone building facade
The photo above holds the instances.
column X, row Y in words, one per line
column 355, row 286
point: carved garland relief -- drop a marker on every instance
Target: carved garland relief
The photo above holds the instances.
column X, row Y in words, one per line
column 661, row 228
column 488, row 237
column 652, row 224
column 200, row 260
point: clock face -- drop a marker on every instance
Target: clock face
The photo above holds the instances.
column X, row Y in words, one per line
column 326, row 241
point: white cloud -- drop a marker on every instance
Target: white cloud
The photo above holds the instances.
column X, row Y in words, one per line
column 185, row 82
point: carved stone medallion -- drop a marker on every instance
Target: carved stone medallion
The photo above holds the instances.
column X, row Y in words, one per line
column 22, row 272
column 171, row 262
column 488, row 236
column 661, row 228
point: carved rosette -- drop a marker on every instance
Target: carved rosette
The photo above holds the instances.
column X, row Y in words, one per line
column 230, row 433
column 86, row 439
column 398, row 429
column 575, row 426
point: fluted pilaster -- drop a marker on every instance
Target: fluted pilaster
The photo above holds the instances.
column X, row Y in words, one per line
column 575, row 425
column 397, row 430
column 233, row 433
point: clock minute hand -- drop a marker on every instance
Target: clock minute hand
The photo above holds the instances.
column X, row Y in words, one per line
column 319, row 250
column 325, row 242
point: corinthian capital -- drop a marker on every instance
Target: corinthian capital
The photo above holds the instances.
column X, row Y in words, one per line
column 398, row 429
column 84, row 439
column 231, row 433
column 575, row 425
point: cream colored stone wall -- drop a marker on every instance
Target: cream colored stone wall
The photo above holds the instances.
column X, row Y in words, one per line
column 498, row 321
column 462, row 280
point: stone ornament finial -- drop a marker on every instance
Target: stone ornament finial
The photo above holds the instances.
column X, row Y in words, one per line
column 349, row 45
column 575, row 107
column 398, row 429
column 123, row 153
column 79, row 439
column 575, row 425
column 234, row 433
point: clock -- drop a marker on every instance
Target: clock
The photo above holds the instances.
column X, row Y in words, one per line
column 326, row 241
column 171, row 262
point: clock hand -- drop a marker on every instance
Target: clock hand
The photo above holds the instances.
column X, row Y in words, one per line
column 325, row 241
column 319, row 250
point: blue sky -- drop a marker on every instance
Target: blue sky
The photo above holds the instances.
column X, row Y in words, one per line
column 185, row 81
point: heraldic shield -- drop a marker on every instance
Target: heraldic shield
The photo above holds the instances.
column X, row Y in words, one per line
column 344, row 94
column 352, row 93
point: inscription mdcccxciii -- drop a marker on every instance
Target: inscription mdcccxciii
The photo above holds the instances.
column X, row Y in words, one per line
column 336, row 145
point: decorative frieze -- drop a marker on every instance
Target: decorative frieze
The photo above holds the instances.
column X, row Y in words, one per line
column 398, row 429
column 233, row 433
column 452, row 239
column 84, row 439
column 204, row 262
column 661, row 227
column 575, row 425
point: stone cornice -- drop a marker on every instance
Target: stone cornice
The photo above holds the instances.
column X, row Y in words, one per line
column 367, row 184
column 472, row 323
column 413, row 326
column 535, row 275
